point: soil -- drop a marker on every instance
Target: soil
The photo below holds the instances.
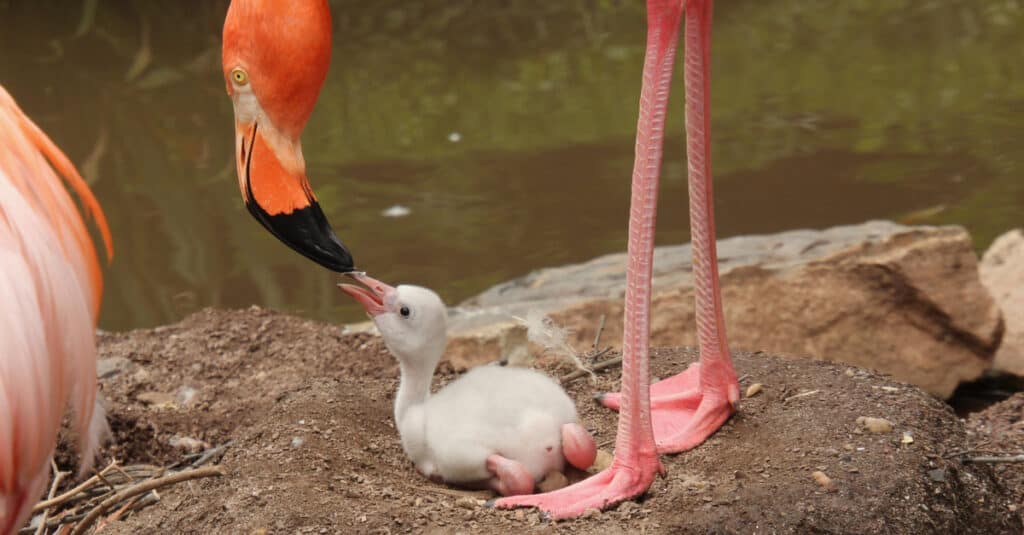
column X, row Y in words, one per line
column 998, row 431
column 308, row 411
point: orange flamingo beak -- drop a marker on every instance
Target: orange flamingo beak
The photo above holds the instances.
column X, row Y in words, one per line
column 374, row 297
column 273, row 182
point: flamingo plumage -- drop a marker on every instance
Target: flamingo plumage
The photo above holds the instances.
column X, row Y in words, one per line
column 50, row 290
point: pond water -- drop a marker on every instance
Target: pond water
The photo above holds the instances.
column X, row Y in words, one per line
column 506, row 130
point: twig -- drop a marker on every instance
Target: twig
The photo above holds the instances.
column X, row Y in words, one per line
column 800, row 395
column 600, row 328
column 86, row 485
column 993, row 459
column 58, row 476
column 116, row 515
column 142, row 488
column 569, row 377
column 743, row 377
column 212, row 454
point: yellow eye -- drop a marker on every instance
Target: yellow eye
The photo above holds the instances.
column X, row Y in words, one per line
column 239, row 76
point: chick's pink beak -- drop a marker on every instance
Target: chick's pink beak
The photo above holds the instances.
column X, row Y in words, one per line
column 372, row 297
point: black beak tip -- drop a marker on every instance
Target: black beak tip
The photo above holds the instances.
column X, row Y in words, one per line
column 308, row 232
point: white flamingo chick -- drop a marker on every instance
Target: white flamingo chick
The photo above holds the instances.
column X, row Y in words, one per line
column 495, row 426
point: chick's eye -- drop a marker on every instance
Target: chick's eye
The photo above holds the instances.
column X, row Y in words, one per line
column 404, row 311
column 239, row 76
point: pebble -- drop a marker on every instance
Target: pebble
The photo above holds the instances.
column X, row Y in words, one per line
column 466, row 503
column 823, row 480
column 753, row 389
column 602, row 461
column 591, row 513
column 186, row 395
column 937, row 475
column 907, row 438
column 553, row 481
column 188, row 444
column 157, row 399
column 875, row 425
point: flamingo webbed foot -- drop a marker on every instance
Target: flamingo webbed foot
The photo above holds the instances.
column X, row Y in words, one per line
column 683, row 413
column 613, row 485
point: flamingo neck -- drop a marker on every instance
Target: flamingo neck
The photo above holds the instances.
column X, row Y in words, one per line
column 413, row 388
column 416, row 375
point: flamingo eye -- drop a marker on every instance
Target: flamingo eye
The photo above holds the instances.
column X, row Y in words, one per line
column 404, row 311
column 239, row 76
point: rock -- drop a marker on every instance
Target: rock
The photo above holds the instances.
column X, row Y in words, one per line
column 875, row 425
column 156, row 399
column 466, row 503
column 109, row 367
column 1002, row 272
column 602, row 461
column 188, row 444
column 906, row 301
column 754, row 389
column 822, row 479
column 553, row 481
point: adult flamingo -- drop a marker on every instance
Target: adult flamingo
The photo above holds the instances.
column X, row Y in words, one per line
column 275, row 57
column 680, row 412
column 274, row 67
column 50, row 287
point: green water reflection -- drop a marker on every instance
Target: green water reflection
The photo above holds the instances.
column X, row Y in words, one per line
column 506, row 128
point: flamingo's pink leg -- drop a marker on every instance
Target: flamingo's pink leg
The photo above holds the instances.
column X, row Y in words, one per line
column 510, row 477
column 636, row 460
column 578, row 446
column 689, row 407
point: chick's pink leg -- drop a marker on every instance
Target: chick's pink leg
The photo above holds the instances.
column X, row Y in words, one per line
column 578, row 447
column 510, row 477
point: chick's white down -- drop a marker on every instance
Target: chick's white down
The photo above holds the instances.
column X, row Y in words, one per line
column 514, row 412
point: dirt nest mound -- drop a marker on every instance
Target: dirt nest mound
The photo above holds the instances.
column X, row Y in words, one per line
column 999, row 431
column 313, row 449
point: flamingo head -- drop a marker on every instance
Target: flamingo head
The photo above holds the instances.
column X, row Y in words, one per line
column 275, row 58
column 411, row 319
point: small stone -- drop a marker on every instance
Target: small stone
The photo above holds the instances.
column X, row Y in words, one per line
column 875, row 425
column 553, row 481
column 627, row 508
column 520, row 515
column 849, row 372
column 591, row 513
column 753, row 389
column 466, row 503
column 298, row 442
column 907, row 439
column 533, row 519
column 156, row 399
column 109, row 367
column 937, row 475
column 823, row 480
column 186, row 395
column 603, row 460
column 188, row 444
